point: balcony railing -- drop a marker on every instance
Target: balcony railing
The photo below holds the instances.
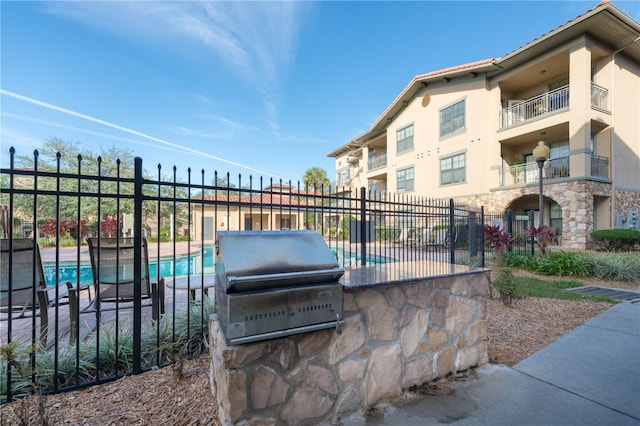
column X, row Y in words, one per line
column 599, row 166
column 599, row 97
column 547, row 103
column 377, row 162
column 536, row 107
column 528, row 173
column 556, row 168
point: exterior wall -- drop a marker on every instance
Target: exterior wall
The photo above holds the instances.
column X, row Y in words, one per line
column 627, row 201
column 429, row 147
column 395, row 337
column 227, row 218
column 626, row 124
column 488, row 147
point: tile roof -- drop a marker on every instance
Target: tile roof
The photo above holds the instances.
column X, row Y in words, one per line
column 469, row 65
column 601, row 4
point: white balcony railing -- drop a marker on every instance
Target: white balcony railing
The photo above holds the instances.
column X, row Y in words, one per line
column 599, row 97
column 377, row 162
column 547, row 103
column 599, row 166
column 535, row 107
column 556, row 168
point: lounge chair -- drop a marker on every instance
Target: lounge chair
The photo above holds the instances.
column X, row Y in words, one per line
column 441, row 237
column 403, row 238
column 28, row 285
column 425, row 239
column 112, row 267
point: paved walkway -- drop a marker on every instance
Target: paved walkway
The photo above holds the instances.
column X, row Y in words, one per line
column 590, row 376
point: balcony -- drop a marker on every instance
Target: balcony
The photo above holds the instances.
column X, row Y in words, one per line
column 599, row 166
column 557, row 168
column 377, row 162
column 548, row 103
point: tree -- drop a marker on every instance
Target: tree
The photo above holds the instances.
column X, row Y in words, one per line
column 315, row 178
column 57, row 154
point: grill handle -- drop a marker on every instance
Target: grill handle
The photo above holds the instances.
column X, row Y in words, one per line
column 338, row 323
column 329, row 275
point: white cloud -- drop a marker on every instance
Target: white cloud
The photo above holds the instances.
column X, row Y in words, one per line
column 158, row 142
column 257, row 40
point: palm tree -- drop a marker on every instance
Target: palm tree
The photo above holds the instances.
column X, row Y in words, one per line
column 315, row 178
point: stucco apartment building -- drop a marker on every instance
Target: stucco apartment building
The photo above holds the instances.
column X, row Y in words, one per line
column 468, row 132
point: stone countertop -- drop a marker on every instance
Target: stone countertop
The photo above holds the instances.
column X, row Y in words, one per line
column 398, row 272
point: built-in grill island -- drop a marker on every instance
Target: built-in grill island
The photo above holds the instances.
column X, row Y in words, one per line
column 276, row 283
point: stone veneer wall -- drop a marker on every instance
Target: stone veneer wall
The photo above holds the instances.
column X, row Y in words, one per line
column 575, row 197
column 395, row 336
column 626, row 200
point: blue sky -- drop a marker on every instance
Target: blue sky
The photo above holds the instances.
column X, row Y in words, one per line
column 256, row 88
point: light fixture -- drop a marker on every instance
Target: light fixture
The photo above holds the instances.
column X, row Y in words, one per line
column 540, row 154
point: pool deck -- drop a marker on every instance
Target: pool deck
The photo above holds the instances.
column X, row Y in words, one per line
column 22, row 329
column 428, row 261
column 70, row 254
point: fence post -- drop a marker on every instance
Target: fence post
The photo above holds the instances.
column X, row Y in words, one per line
column 482, row 243
column 452, row 235
column 530, row 223
column 509, row 218
column 137, row 265
column 472, row 226
column 363, row 226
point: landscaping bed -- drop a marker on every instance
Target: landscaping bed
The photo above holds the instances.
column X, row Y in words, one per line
column 168, row 396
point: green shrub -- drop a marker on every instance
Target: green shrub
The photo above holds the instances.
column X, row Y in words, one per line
column 610, row 266
column 519, row 259
column 181, row 337
column 615, row 239
column 561, row 263
column 507, row 287
column 613, row 266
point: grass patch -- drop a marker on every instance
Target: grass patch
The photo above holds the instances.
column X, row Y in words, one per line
column 555, row 289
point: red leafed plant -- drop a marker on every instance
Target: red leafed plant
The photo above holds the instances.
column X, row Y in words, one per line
column 544, row 236
column 504, row 283
column 50, row 227
column 76, row 231
column 110, row 226
column 498, row 240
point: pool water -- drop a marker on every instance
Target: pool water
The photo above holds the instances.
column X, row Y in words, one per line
column 183, row 265
column 347, row 258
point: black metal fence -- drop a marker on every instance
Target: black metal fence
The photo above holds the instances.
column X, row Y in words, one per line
column 516, row 225
column 60, row 207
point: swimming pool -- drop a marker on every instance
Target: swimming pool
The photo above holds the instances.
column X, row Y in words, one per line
column 183, row 265
column 348, row 258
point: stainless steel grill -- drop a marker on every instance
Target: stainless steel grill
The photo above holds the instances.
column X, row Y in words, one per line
column 276, row 283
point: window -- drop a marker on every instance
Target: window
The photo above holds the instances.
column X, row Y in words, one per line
column 344, row 178
column 555, row 217
column 558, row 150
column 452, row 169
column 285, row 223
column 405, row 180
column 452, row 118
column 404, row 138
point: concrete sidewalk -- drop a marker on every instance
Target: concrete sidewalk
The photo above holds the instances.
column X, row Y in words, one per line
column 590, row 376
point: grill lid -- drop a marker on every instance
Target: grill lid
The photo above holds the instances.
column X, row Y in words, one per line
column 251, row 260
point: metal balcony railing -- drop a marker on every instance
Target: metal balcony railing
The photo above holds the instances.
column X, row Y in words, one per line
column 556, row 168
column 599, row 166
column 535, row 107
column 377, row 162
column 547, row 103
column 528, row 173
column 599, row 97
